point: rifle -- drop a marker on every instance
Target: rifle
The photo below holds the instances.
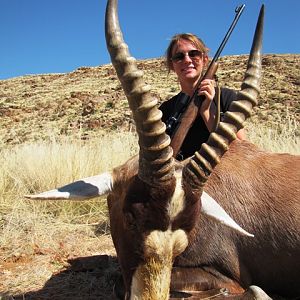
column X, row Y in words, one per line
column 181, row 121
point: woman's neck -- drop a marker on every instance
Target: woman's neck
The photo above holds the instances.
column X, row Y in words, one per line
column 188, row 87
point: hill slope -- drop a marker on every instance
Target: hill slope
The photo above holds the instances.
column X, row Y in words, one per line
column 89, row 100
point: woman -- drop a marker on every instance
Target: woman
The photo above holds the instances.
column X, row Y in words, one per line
column 187, row 56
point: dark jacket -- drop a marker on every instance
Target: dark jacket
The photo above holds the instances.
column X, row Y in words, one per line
column 198, row 133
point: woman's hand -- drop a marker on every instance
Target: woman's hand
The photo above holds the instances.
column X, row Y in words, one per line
column 207, row 89
column 207, row 112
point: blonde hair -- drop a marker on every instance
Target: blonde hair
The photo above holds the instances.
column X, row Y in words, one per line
column 192, row 38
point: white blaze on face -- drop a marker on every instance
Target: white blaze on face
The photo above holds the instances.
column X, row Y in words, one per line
column 151, row 279
column 177, row 202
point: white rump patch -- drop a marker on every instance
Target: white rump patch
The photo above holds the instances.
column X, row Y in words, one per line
column 84, row 188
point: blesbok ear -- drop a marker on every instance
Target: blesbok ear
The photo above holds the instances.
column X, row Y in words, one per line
column 211, row 208
column 84, row 188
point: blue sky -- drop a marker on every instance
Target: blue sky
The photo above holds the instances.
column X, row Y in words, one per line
column 58, row 36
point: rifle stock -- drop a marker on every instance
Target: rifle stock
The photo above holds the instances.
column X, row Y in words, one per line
column 190, row 114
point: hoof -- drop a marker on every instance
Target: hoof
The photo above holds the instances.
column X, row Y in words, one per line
column 255, row 292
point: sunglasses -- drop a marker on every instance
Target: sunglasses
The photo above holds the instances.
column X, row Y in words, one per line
column 193, row 54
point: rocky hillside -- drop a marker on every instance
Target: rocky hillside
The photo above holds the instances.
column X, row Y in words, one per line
column 90, row 100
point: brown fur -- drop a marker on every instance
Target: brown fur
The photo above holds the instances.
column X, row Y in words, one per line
column 259, row 190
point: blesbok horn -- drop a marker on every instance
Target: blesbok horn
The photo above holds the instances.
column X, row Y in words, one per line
column 197, row 171
column 155, row 157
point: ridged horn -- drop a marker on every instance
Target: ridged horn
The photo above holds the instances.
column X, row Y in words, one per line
column 197, row 171
column 155, row 156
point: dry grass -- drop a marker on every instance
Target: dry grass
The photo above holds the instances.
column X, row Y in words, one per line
column 279, row 137
column 30, row 168
column 38, row 238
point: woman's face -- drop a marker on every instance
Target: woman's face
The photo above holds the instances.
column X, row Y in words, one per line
column 187, row 64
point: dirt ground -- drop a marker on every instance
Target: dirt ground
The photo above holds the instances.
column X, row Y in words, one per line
column 57, row 276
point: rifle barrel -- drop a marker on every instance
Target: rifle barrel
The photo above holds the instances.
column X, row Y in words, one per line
column 238, row 12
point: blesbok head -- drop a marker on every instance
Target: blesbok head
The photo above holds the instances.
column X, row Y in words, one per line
column 154, row 201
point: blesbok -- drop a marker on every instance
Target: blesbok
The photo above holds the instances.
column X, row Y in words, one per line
column 169, row 234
